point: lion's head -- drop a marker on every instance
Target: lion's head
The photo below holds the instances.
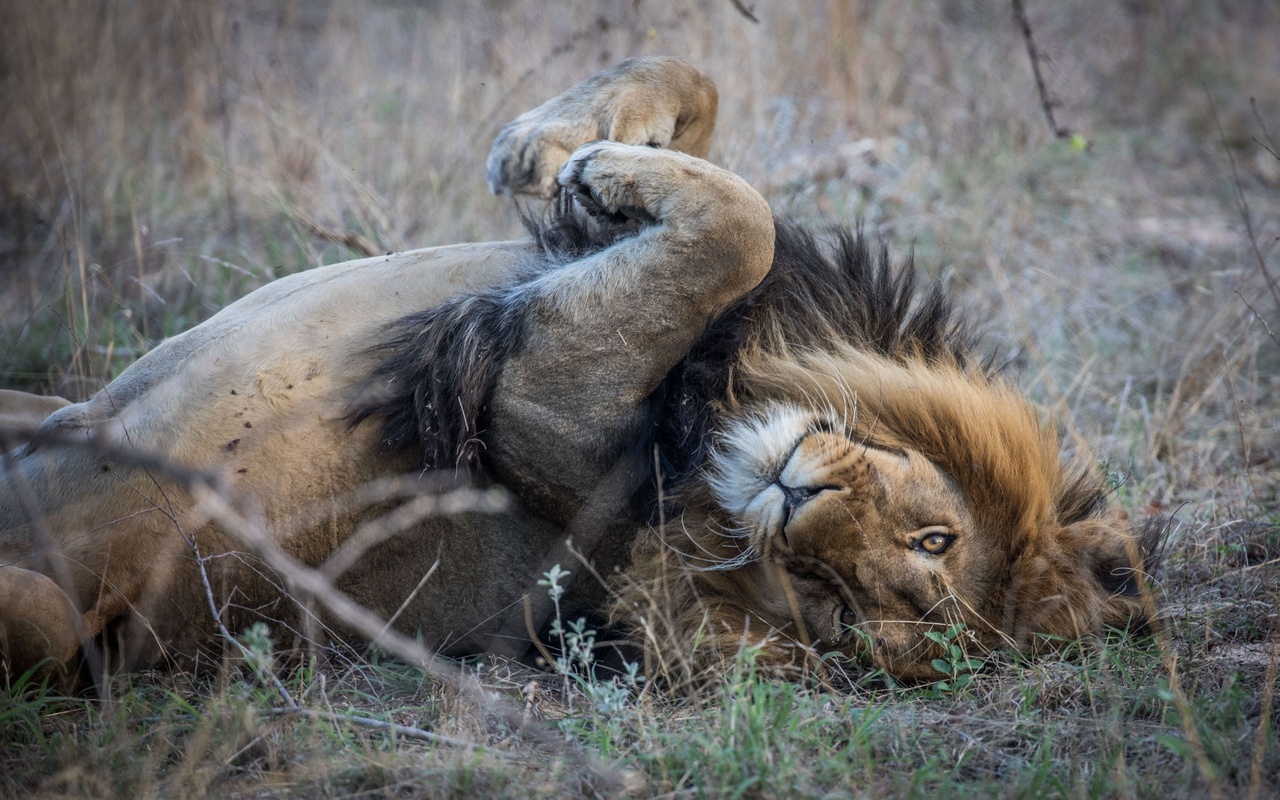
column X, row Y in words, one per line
column 859, row 491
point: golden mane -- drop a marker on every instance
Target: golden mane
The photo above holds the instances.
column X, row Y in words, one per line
column 692, row 593
column 978, row 428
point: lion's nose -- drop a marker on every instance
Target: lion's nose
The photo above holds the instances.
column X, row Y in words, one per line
column 795, row 496
column 792, row 498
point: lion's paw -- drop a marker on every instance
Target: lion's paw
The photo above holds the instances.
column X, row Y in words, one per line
column 527, row 154
column 610, row 179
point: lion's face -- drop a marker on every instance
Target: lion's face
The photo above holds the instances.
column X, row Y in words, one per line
column 874, row 546
column 860, row 529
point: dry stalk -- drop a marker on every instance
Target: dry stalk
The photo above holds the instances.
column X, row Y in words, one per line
column 213, row 498
column 1186, row 717
column 403, row 731
column 1242, row 203
column 348, row 239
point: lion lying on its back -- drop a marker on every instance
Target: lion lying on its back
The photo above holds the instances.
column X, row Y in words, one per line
column 781, row 445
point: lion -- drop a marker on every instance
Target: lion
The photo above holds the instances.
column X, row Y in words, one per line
column 743, row 437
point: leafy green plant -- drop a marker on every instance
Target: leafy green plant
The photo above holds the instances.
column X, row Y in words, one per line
column 955, row 664
column 576, row 662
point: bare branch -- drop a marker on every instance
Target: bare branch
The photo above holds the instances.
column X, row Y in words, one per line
column 313, row 584
column 1272, row 149
column 212, row 496
column 742, row 8
column 1243, row 203
column 404, row 516
column 222, row 628
column 1020, row 16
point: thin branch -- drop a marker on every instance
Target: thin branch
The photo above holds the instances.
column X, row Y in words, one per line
column 311, row 583
column 222, row 628
column 403, row 731
column 744, row 10
column 1020, row 16
column 1243, row 202
column 1259, row 317
column 1272, row 149
column 211, row 494
column 423, row 506
column 348, row 239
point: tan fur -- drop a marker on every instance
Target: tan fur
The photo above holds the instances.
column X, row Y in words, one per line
column 19, row 410
column 258, row 394
column 659, row 102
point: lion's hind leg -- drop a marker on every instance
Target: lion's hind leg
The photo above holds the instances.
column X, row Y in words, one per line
column 39, row 625
column 21, row 410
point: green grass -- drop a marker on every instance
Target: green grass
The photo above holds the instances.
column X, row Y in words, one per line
column 1099, row 721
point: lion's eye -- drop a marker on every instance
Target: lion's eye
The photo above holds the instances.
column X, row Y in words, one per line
column 934, row 541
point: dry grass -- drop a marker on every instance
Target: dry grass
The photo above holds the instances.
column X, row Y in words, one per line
column 160, row 158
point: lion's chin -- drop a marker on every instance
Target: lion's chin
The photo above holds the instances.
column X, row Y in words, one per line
column 905, row 658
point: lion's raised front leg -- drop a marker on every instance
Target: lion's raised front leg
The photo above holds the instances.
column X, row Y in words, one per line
column 656, row 101
column 601, row 333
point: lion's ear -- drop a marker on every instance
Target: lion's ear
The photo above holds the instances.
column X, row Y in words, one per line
column 1079, row 580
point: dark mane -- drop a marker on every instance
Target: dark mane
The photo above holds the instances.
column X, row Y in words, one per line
column 818, row 292
column 438, row 369
column 439, row 366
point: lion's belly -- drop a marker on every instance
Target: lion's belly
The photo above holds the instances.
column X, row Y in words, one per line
column 258, row 395
column 477, row 568
column 260, row 391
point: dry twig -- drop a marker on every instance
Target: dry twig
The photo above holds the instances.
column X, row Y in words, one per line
column 1020, row 16
column 215, row 499
column 403, row 731
column 744, row 10
column 348, row 239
